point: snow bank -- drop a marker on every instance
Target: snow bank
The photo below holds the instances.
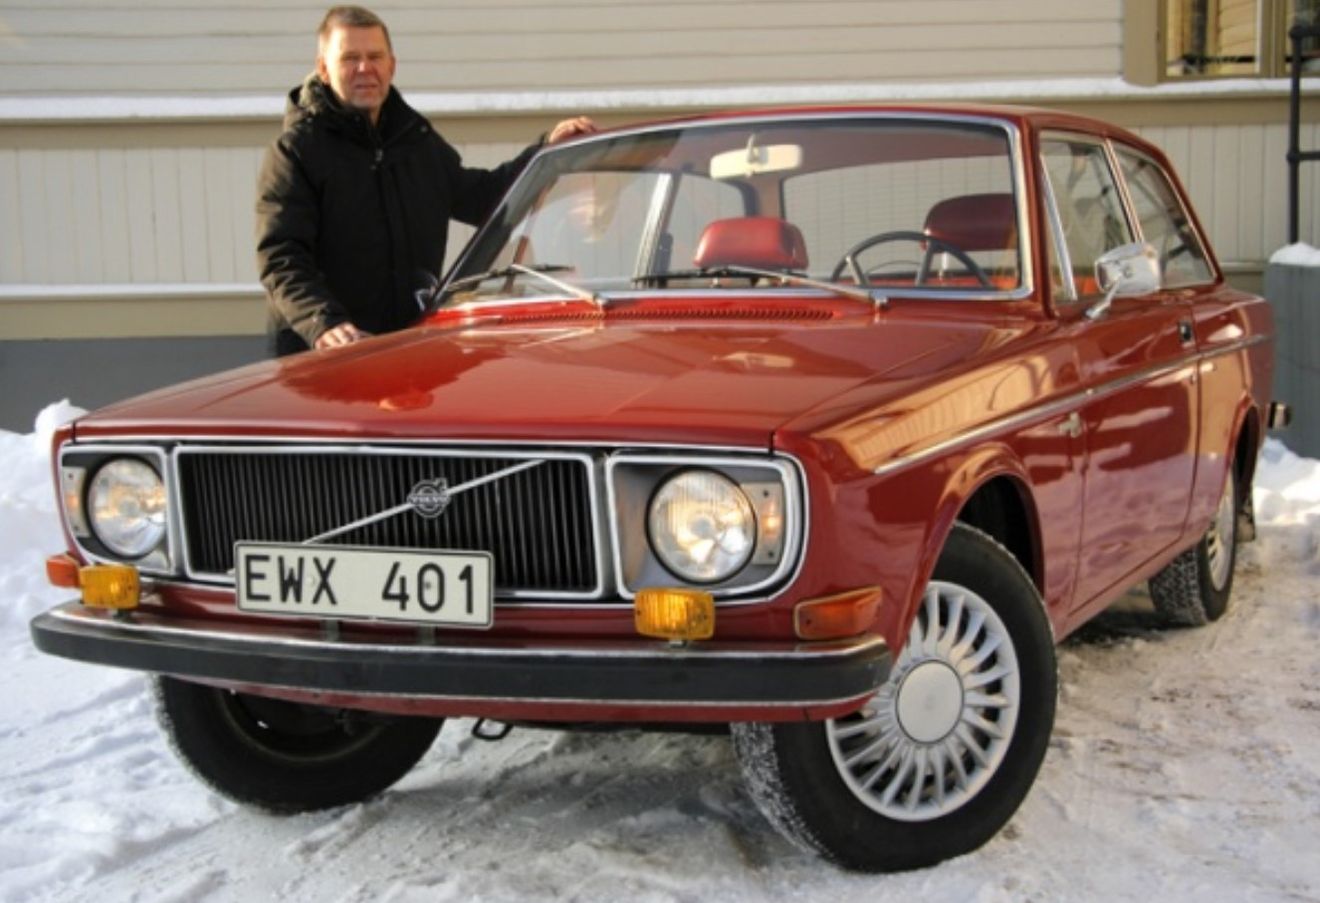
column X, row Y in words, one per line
column 29, row 529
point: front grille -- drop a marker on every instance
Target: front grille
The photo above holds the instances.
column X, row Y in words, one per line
column 536, row 523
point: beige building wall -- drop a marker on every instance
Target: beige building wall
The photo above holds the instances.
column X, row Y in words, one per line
column 191, row 46
column 130, row 135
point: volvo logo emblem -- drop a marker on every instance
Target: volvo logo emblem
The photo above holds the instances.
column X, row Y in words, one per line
column 430, row 498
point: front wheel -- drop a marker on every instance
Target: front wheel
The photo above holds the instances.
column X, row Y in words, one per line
column 944, row 753
column 285, row 756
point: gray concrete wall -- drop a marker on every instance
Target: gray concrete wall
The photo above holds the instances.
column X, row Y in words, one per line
column 1294, row 293
column 94, row 372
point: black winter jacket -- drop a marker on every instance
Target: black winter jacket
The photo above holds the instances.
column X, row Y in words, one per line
column 352, row 220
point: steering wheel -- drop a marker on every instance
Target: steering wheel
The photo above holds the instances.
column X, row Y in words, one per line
column 933, row 246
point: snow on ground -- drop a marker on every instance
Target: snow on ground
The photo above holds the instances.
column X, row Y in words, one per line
column 1184, row 767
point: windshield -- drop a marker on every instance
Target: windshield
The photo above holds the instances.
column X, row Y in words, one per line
column 880, row 204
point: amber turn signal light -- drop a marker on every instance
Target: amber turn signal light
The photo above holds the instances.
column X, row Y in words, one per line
column 110, row 586
column 675, row 614
column 62, row 570
column 835, row 617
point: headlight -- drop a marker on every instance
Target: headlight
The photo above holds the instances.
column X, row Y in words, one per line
column 126, row 507
column 702, row 527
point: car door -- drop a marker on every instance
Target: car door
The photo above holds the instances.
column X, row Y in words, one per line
column 1219, row 315
column 1137, row 367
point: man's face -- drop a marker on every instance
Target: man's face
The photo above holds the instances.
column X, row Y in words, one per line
column 358, row 66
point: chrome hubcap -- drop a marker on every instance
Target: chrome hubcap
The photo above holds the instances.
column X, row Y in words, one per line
column 940, row 726
column 1220, row 538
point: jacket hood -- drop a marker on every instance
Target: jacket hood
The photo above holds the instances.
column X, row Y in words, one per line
column 314, row 99
column 645, row 381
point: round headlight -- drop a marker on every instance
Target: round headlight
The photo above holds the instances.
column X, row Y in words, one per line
column 702, row 527
column 126, row 505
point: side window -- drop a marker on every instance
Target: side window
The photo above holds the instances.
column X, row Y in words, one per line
column 1164, row 222
column 1090, row 212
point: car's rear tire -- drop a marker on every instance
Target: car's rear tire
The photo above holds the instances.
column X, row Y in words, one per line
column 1194, row 588
column 936, row 763
column 285, row 756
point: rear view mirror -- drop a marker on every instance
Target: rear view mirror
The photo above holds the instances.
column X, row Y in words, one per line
column 1125, row 272
column 752, row 160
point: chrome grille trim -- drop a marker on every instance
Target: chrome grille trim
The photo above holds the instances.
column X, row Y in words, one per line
column 557, row 503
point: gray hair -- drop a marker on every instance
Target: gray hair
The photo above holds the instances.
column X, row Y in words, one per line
column 349, row 17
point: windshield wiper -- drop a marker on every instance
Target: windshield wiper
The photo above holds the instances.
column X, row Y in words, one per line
column 788, row 276
column 540, row 271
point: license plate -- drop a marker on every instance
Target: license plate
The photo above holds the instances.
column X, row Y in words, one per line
column 442, row 588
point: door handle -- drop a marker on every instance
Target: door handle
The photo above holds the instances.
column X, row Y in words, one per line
column 1185, row 332
column 1071, row 426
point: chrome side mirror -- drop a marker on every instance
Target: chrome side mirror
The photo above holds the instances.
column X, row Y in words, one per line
column 1125, row 272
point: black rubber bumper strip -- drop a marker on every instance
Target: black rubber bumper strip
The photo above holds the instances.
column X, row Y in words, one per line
column 700, row 674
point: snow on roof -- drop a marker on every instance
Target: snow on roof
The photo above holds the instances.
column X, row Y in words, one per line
column 162, row 106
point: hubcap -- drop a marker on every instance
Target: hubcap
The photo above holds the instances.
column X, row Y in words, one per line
column 939, row 728
column 929, row 701
column 1219, row 540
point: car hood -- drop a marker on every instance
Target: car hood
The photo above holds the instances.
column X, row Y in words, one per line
column 724, row 382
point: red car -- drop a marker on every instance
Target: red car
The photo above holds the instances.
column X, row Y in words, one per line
column 822, row 424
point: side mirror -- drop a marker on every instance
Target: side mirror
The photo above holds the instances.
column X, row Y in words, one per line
column 1125, row 272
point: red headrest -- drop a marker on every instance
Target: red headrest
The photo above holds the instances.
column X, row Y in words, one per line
column 762, row 242
column 975, row 222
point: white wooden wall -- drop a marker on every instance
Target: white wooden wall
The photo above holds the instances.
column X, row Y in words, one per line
column 138, row 215
column 135, row 46
column 151, row 214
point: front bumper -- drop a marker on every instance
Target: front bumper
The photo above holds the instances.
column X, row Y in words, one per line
column 704, row 681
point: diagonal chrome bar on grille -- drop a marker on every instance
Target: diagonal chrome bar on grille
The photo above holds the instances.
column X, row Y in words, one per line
column 408, row 506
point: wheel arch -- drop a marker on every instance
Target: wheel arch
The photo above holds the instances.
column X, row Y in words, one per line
column 1249, row 436
column 989, row 490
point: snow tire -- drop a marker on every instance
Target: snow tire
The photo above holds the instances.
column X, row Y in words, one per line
column 286, row 757
column 1194, row 588
column 983, row 623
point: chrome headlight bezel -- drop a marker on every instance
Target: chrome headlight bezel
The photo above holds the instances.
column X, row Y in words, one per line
column 80, row 468
column 773, row 487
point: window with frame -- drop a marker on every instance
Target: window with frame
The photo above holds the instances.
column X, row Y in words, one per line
column 1090, row 213
column 1176, row 39
column 1165, row 223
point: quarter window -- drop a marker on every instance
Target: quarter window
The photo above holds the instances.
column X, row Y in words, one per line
column 1164, row 222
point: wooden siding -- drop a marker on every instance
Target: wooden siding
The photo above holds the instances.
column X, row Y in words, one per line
column 192, row 46
column 138, row 215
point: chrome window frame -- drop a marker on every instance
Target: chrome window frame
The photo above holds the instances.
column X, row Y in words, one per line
column 1026, row 288
column 1120, row 187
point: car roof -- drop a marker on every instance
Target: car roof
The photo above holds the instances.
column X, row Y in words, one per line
column 1026, row 119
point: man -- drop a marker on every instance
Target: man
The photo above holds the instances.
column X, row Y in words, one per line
column 354, row 198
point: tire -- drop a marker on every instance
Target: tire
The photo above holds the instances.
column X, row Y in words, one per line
column 282, row 756
column 918, row 775
column 1195, row 587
